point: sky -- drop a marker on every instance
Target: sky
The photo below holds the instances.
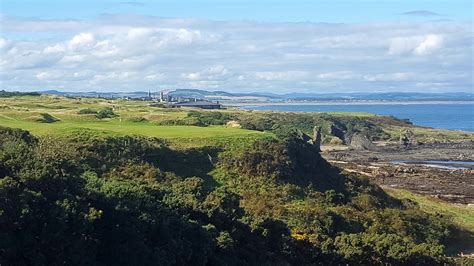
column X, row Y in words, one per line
column 278, row 46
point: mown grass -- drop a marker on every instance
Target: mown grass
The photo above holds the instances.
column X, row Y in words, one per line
column 117, row 127
column 139, row 118
column 133, row 118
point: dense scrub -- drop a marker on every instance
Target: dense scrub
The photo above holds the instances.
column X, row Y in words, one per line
column 202, row 119
column 135, row 201
column 333, row 128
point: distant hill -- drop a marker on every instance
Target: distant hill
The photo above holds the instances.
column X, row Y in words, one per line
column 223, row 95
column 198, row 93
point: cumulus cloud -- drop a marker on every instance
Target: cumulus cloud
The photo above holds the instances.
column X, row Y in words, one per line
column 4, row 44
column 418, row 45
column 82, row 40
column 430, row 44
column 123, row 53
column 192, row 76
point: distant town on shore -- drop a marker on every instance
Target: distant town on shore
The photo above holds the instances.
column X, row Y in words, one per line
column 193, row 95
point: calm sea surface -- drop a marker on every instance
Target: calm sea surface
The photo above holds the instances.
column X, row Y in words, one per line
column 459, row 116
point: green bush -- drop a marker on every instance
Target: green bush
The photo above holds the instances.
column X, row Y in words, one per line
column 135, row 201
column 106, row 113
column 138, row 119
column 87, row 111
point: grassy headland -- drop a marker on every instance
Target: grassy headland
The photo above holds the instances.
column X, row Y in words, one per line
column 55, row 115
column 120, row 182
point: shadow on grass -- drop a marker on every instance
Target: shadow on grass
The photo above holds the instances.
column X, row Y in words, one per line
column 187, row 163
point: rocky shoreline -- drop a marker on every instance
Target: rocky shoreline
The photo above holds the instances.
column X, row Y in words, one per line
column 453, row 184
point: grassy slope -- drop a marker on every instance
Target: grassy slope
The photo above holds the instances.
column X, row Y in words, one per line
column 116, row 127
column 23, row 112
column 19, row 112
column 462, row 217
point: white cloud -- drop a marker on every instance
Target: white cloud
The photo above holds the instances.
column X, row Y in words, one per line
column 218, row 70
column 4, row 44
column 400, row 76
column 417, row 45
column 155, row 77
column 402, row 45
column 282, row 75
column 135, row 53
column 82, row 40
column 339, row 75
column 42, row 76
column 430, row 44
column 192, row 76
column 48, row 75
column 56, row 48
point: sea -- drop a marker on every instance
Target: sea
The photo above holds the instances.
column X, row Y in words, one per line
column 443, row 115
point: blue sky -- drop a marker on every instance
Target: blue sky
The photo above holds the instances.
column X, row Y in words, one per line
column 274, row 46
column 337, row 11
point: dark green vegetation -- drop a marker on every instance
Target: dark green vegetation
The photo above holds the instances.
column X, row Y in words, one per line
column 112, row 182
column 122, row 200
column 6, row 94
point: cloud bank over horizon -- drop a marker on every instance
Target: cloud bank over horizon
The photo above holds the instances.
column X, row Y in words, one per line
column 136, row 52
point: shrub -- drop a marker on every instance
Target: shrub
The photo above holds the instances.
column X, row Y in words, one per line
column 106, row 113
column 138, row 119
column 86, row 200
column 87, row 111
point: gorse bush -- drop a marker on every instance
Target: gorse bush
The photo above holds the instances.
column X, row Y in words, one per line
column 106, row 113
column 284, row 125
column 135, row 201
column 202, row 119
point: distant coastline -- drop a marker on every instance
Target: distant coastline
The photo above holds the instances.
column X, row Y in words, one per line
column 269, row 103
column 453, row 115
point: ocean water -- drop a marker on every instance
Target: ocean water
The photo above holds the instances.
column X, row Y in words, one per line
column 456, row 116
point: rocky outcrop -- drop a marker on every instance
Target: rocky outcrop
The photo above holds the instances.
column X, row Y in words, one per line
column 407, row 138
column 302, row 136
column 317, row 138
column 336, row 141
column 360, row 142
column 337, row 131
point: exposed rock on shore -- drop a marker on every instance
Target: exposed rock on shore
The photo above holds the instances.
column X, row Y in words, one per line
column 454, row 185
column 360, row 142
